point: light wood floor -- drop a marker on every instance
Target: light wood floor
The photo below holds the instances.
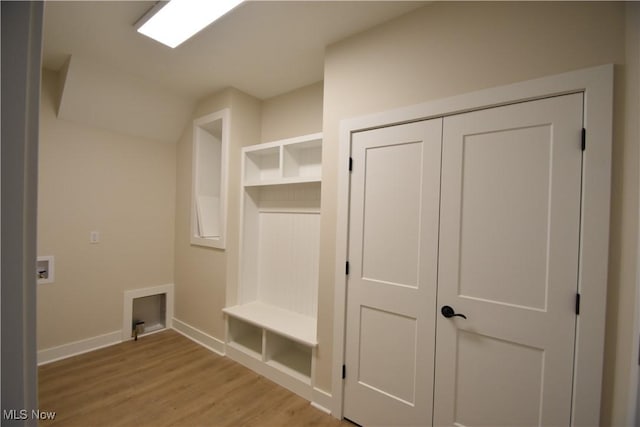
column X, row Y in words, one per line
column 165, row 379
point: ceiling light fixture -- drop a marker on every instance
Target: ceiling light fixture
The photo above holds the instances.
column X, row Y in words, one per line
column 173, row 22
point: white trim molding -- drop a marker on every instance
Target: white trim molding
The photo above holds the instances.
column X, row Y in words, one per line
column 597, row 85
column 53, row 354
column 196, row 335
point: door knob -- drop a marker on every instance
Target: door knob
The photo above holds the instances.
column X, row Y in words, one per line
column 450, row 312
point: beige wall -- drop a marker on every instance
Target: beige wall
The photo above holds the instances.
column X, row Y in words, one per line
column 206, row 278
column 450, row 48
column 122, row 186
column 295, row 113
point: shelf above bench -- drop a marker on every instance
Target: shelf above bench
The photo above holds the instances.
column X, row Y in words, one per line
column 295, row 326
column 282, row 181
column 288, row 161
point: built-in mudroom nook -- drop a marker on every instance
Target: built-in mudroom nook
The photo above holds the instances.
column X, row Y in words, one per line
column 272, row 329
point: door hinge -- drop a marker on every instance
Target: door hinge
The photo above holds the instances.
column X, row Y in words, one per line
column 577, row 304
column 584, row 139
column 350, row 164
column 344, row 371
column 346, row 268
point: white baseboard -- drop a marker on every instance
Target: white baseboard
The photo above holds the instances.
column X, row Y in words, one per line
column 196, row 335
column 321, row 400
column 53, row 354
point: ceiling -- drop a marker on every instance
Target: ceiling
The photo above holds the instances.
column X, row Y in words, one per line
column 263, row 48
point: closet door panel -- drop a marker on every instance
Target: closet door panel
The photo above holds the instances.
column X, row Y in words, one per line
column 508, row 261
column 393, row 237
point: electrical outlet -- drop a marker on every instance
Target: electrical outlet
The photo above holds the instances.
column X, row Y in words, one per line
column 94, row 237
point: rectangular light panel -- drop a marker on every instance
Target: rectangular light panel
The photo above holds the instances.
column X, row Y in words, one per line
column 178, row 20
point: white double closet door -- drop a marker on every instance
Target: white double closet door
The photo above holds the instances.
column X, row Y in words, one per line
column 479, row 212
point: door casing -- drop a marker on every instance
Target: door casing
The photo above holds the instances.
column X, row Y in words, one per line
column 597, row 85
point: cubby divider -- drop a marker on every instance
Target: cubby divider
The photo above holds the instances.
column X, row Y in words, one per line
column 281, row 162
column 246, row 337
column 302, row 159
column 262, row 165
column 289, row 356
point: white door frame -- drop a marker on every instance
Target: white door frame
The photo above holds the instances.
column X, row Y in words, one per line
column 597, row 85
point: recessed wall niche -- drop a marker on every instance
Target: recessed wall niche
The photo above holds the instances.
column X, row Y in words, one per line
column 209, row 181
column 153, row 306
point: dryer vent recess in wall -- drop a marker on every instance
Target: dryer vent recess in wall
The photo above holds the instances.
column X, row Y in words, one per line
column 146, row 311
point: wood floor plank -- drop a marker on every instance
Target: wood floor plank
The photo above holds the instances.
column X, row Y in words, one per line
column 166, row 380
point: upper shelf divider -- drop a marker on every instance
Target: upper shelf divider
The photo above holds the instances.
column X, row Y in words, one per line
column 288, row 161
